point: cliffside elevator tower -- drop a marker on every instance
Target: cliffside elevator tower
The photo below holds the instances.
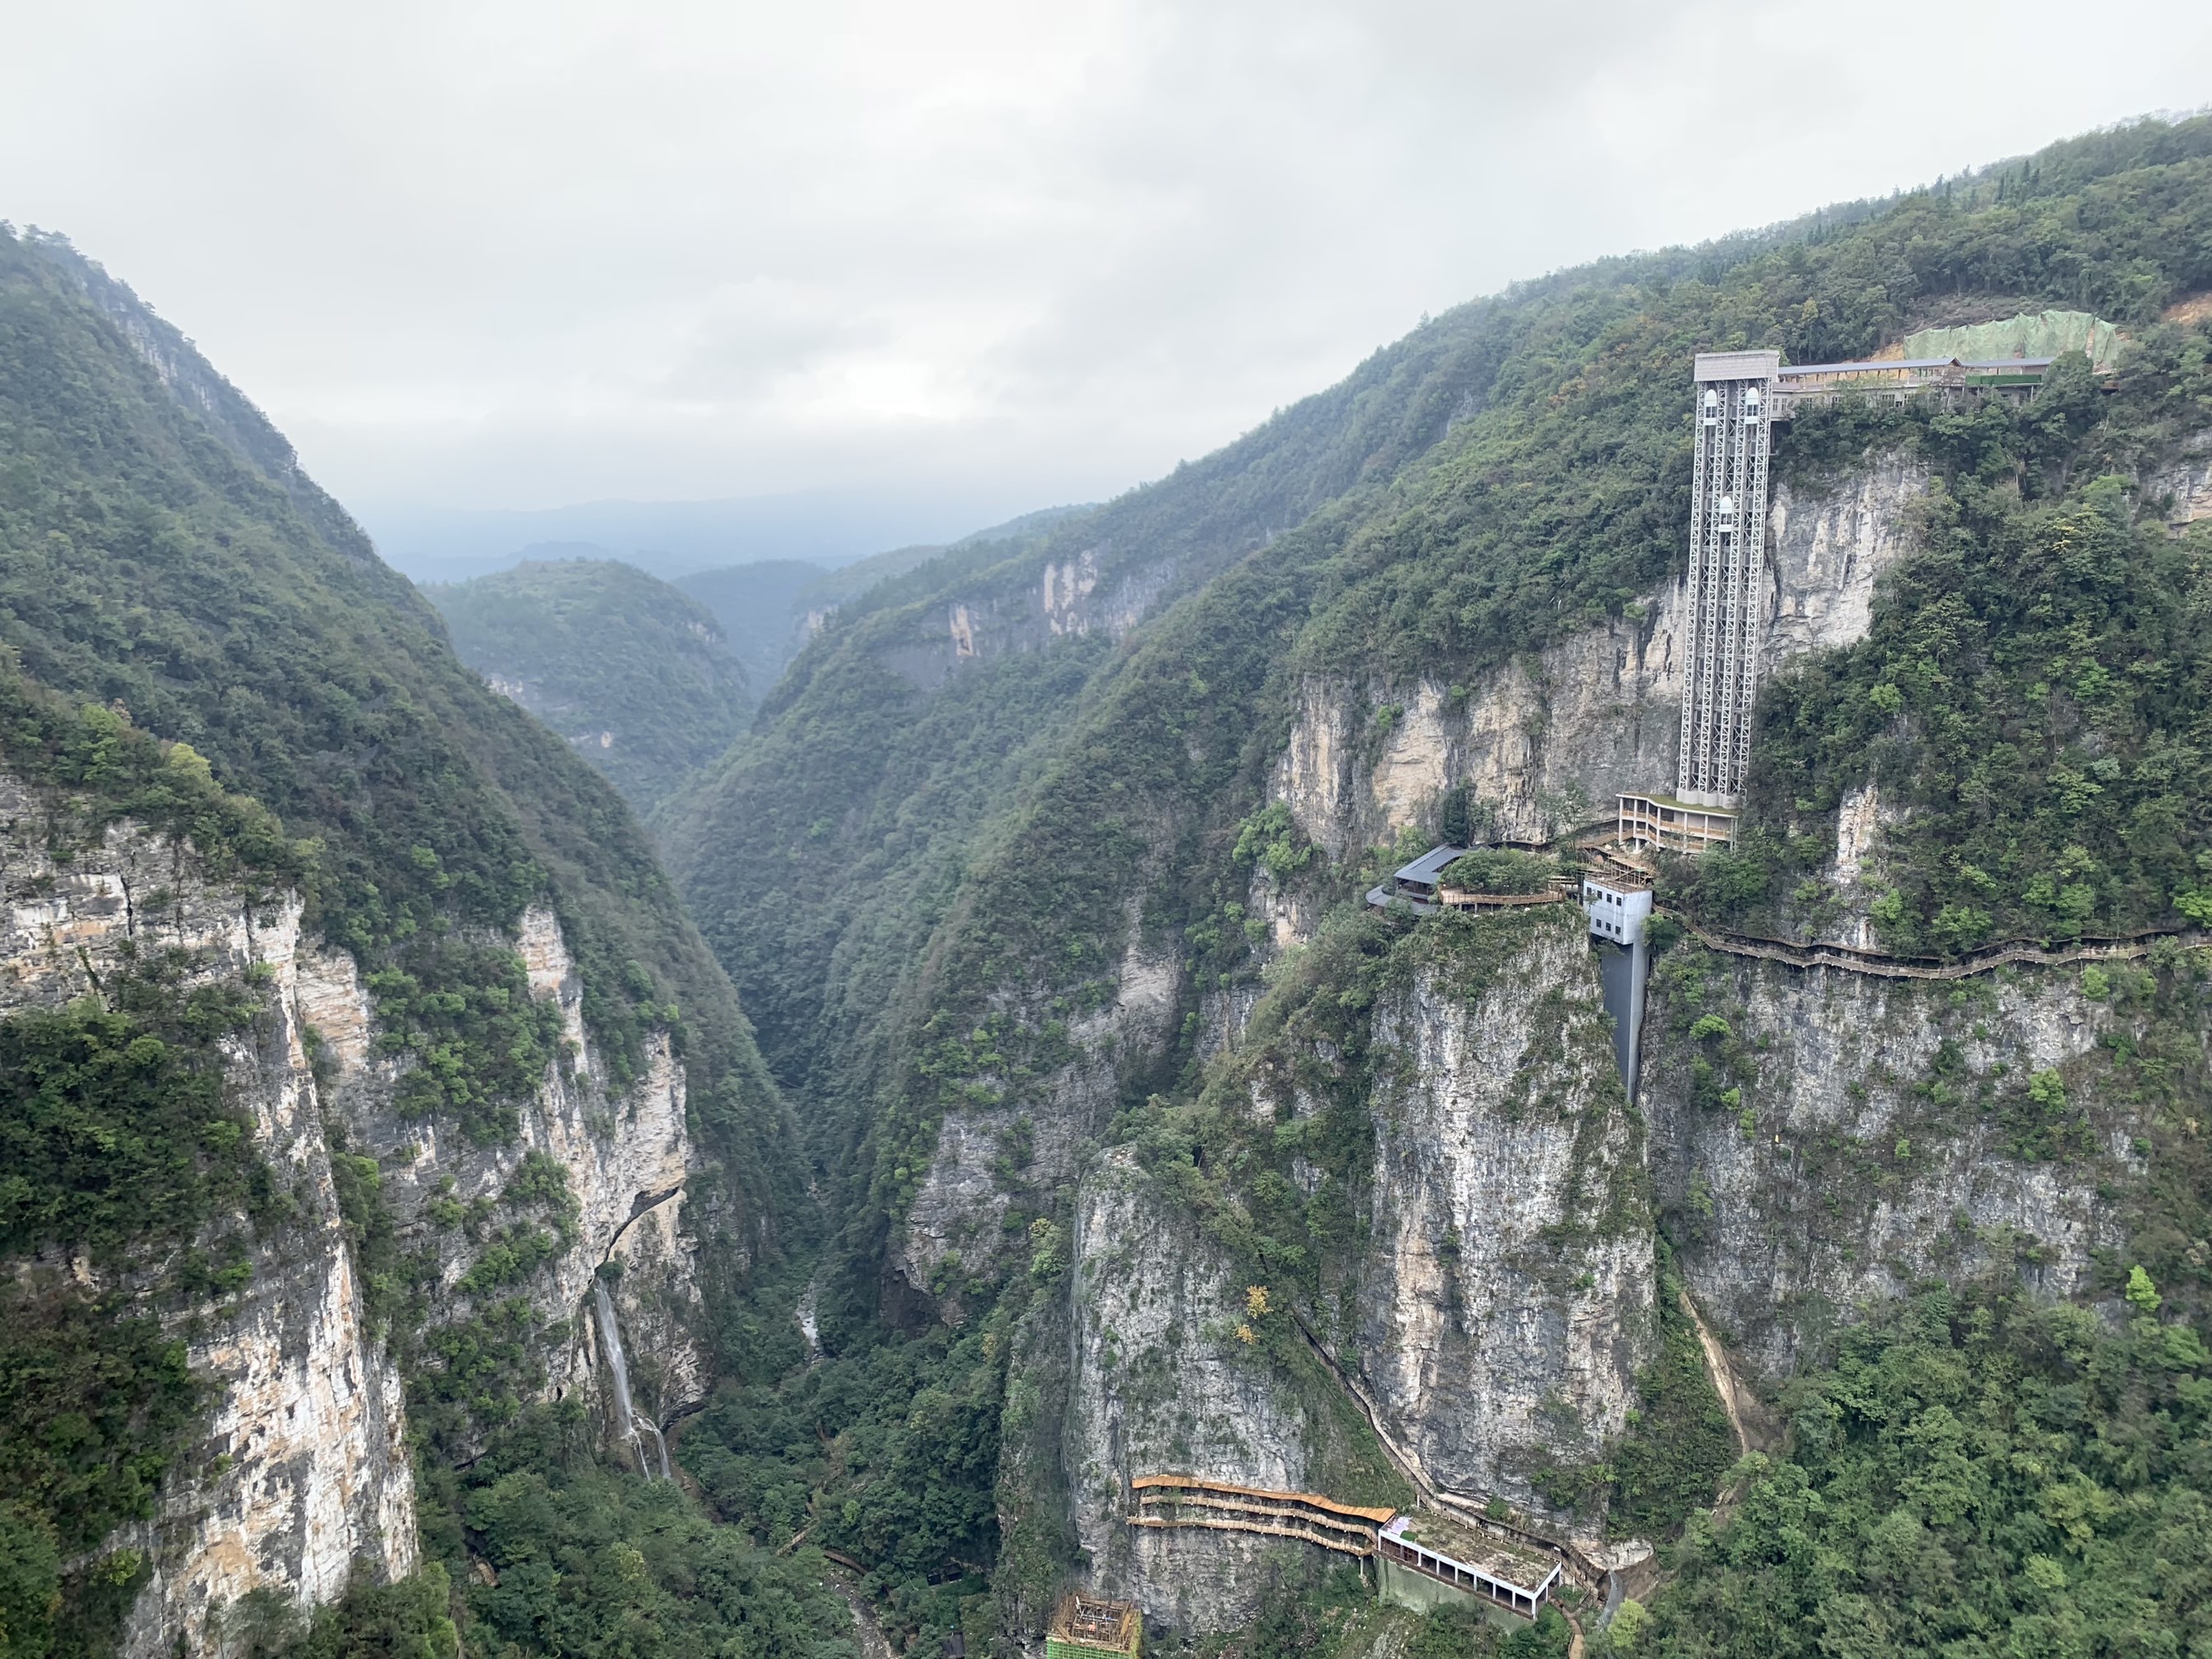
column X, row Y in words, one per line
column 1727, row 568
column 1723, row 603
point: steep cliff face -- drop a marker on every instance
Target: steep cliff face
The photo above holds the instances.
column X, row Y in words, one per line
column 626, row 1153
column 1493, row 1308
column 1161, row 1383
column 1824, row 1138
column 1545, row 742
column 1505, row 1295
column 984, row 1155
column 2183, row 489
column 1027, row 606
column 309, row 1413
column 304, row 1473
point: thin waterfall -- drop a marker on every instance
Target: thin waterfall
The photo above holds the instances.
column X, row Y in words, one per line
column 611, row 1345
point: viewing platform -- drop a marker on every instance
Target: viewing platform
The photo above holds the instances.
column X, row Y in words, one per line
column 1676, row 825
column 1422, row 887
column 1416, row 883
column 1183, row 1500
column 1901, row 379
column 1417, row 1551
column 1422, row 1560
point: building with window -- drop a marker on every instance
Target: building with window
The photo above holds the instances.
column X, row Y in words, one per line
column 1416, row 883
column 1619, row 905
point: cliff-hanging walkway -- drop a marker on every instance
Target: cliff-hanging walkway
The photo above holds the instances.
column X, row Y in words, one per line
column 1878, row 963
column 1183, row 1500
column 1580, row 1569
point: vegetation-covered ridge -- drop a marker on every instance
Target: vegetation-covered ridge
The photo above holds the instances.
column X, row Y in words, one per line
column 195, row 639
column 176, row 571
column 634, row 672
column 1977, row 1474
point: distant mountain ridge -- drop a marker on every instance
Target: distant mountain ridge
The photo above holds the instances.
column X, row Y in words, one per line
column 638, row 676
column 670, row 539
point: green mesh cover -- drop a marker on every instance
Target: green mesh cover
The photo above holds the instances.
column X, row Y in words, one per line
column 2030, row 334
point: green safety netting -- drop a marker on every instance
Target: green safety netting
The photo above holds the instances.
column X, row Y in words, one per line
column 2030, row 334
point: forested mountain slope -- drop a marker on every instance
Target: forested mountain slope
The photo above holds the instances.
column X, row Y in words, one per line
column 769, row 608
column 1042, row 865
column 637, row 675
column 761, row 609
column 350, row 1037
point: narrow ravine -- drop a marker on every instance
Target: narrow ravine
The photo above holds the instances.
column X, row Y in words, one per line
column 1719, row 1371
column 874, row 1644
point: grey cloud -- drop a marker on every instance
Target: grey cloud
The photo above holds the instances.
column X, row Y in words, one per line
column 499, row 254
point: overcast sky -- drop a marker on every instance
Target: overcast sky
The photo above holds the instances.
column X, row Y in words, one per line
column 520, row 254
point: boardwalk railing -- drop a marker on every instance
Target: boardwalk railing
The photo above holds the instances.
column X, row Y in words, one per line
column 1182, row 1500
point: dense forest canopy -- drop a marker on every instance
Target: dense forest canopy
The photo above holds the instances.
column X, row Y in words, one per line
column 635, row 674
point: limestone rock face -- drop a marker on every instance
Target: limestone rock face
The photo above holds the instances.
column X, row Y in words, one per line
column 1876, row 1140
column 1083, row 593
column 1495, row 1313
column 964, row 1197
column 1547, row 742
column 1505, row 1296
column 627, row 1152
column 1159, row 1384
column 311, row 1413
column 1826, row 550
column 2184, row 490
column 310, row 1409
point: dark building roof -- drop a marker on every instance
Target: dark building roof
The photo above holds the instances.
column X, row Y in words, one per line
column 1426, row 868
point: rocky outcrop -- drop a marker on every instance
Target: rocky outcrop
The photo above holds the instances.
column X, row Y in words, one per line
column 1879, row 1131
column 2182, row 490
column 984, row 1156
column 627, row 1153
column 1826, row 549
column 1547, row 742
column 308, row 1431
column 1494, row 1313
column 1066, row 598
column 1505, row 1293
column 1161, row 1383
column 308, row 1437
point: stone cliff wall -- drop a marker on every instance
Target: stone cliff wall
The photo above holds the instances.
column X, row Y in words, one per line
column 1879, row 1132
column 627, row 1154
column 1549, row 740
column 1506, row 1294
column 1160, row 1384
column 1070, row 597
column 1495, row 1307
column 964, row 1196
column 310, row 1413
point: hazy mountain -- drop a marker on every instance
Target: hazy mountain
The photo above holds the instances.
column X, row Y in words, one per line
column 665, row 539
column 637, row 676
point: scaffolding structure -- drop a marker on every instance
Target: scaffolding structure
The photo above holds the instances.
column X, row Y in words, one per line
column 1090, row 1628
column 1728, row 565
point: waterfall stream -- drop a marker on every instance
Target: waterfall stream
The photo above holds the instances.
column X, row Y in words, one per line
column 611, row 1346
